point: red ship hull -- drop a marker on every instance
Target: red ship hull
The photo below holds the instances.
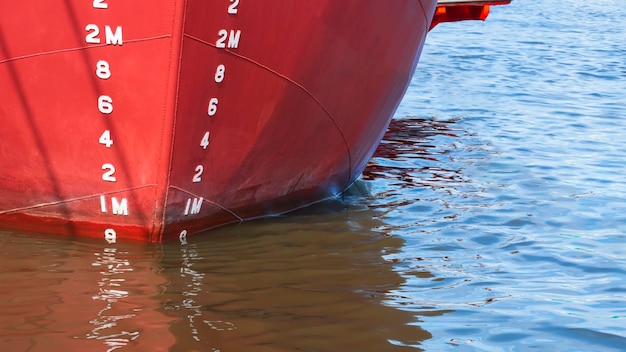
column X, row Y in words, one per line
column 152, row 121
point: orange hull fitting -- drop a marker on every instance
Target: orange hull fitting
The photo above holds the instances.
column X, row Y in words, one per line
column 463, row 10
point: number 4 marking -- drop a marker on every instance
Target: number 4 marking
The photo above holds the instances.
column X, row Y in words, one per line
column 204, row 143
column 105, row 139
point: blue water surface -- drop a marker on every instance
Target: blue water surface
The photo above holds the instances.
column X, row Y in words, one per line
column 509, row 185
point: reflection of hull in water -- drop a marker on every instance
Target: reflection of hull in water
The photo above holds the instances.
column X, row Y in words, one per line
column 289, row 284
column 80, row 296
column 415, row 147
column 150, row 122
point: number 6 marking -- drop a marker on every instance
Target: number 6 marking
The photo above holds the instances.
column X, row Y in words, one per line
column 212, row 106
column 105, row 104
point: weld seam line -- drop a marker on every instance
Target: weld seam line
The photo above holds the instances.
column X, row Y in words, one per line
column 345, row 141
column 71, row 200
column 210, row 202
column 29, row 56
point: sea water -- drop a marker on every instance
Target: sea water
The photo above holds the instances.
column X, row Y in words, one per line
column 492, row 218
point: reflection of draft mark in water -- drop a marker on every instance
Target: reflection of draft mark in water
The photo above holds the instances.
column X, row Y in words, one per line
column 307, row 282
column 111, row 291
column 193, row 287
column 185, row 298
column 80, row 296
column 129, row 285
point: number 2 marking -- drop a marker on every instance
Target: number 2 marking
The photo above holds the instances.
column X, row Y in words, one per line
column 221, row 42
column 100, row 4
column 92, row 34
column 199, row 170
column 108, row 174
column 232, row 9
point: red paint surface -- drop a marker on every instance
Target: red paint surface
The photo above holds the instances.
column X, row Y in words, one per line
column 305, row 99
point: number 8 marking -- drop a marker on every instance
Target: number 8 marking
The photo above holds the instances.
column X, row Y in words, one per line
column 103, row 70
column 219, row 73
